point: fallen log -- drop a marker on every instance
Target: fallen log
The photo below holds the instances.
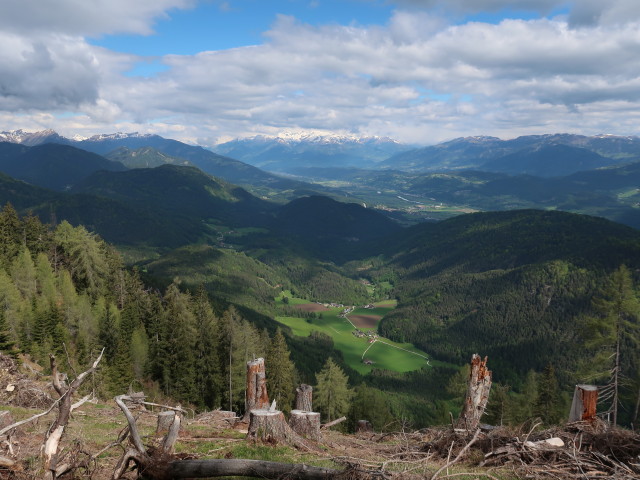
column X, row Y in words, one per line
column 247, row 468
column 333, row 422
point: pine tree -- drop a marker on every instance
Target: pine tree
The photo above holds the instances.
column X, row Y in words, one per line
column 280, row 372
column 615, row 327
column 332, row 393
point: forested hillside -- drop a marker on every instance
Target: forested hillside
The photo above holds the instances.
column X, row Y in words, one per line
column 517, row 286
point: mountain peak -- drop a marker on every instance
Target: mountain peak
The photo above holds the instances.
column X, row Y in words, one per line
column 30, row 138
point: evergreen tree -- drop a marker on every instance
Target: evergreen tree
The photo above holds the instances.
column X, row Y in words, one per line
column 280, row 372
column 373, row 405
column 178, row 376
column 109, row 333
column 10, row 234
column 548, row 401
column 332, row 393
column 615, row 327
column 499, row 407
column 208, row 371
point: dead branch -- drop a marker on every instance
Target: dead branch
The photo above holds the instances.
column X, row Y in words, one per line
column 56, row 431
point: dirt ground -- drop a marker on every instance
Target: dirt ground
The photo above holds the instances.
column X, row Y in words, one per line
column 312, row 307
column 365, row 321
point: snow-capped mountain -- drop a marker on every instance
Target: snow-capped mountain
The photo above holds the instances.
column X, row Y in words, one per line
column 31, row 139
column 291, row 151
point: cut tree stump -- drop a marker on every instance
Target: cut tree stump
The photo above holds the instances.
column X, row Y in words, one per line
column 306, row 424
column 585, row 400
column 165, row 420
column 304, row 398
column 256, row 397
column 270, row 426
column 477, row 395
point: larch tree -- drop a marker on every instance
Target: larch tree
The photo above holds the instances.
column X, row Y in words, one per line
column 612, row 333
column 332, row 393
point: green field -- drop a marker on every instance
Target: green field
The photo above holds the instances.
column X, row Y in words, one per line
column 384, row 353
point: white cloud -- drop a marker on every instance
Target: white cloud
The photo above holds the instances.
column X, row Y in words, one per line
column 84, row 18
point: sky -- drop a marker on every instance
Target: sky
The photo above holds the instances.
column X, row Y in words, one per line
column 418, row 71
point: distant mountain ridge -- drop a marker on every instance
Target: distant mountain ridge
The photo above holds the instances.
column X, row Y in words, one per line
column 514, row 156
column 286, row 153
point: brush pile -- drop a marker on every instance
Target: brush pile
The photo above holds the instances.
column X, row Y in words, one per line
column 577, row 450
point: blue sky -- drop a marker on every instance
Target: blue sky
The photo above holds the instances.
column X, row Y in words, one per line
column 420, row 71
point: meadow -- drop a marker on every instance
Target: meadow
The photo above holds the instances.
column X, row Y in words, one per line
column 381, row 352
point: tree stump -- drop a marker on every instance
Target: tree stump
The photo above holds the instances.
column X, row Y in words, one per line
column 306, row 424
column 364, row 426
column 585, row 400
column 270, row 426
column 256, row 396
column 165, row 419
column 304, row 398
column 477, row 394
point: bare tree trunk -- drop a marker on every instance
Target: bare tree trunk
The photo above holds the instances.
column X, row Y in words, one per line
column 477, row 394
column 306, row 424
column 256, row 397
column 304, row 398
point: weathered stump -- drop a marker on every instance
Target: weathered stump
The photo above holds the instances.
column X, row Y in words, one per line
column 304, row 398
column 364, row 426
column 585, row 400
column 165, row 419
column 477, row 394
column 256, row 396
column 306, row 424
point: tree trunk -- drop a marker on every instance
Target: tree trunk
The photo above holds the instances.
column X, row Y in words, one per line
column 256, row 397
column 477, row 394
column 585, row 400
column 247, row 468
column 304, row 398
column 306, row 424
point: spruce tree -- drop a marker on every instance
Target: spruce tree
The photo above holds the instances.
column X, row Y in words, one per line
column 208, row 371
column 280, row 372
column 548, row 401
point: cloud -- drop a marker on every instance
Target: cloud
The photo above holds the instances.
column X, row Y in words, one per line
column 85, row 18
